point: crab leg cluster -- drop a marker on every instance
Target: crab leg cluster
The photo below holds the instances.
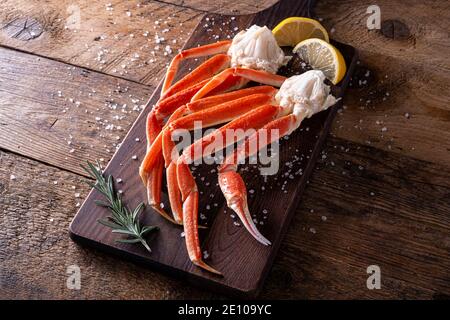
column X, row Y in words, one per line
column 210, row 95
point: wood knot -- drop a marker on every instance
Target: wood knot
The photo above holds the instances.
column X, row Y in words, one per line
column 23, row 29
column 394, row 29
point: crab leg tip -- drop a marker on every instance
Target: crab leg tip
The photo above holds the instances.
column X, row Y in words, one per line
column 203, row 265
column 165, row 215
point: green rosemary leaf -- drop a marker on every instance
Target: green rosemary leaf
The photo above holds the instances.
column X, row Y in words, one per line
column 127, row 232
column 138, row 210
column 122, row 220
column 133, row 240
column 148, row 229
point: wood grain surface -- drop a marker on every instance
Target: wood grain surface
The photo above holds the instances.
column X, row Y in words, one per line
column 406, row 90
column 64, row 115
column 402, row 227
column 243, row 262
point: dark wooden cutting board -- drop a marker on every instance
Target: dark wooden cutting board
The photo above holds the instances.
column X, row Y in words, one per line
column 243, row 261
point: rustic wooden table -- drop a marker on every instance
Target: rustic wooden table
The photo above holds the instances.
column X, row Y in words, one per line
column 74, row 75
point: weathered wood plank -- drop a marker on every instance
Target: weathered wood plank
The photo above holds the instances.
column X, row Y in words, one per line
column 426, row 46
column 410, row 243
column 36, row 249
column 63, row 115
column 244, row 266
column 117, row 39
column 364, row 207
column 408, row 215
column 403, row 107
column 225, row 6
column 411, row 102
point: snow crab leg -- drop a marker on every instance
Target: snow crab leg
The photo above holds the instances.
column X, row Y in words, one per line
column 299, row 97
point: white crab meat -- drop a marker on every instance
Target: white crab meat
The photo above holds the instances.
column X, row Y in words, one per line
column 306, row 94
column 256, row 49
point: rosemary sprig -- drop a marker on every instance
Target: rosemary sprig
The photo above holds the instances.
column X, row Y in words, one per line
column 122, row 220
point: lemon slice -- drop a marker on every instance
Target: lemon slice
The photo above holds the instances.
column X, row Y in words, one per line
column 321, row 55
column 292, row 30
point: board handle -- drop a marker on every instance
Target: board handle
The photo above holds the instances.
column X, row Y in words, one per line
column 284, row 9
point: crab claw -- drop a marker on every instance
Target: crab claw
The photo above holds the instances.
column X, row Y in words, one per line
column 189, row 193
column 233, row 188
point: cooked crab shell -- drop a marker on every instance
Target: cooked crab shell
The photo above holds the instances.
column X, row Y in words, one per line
column 306, row 93
column 256, row 48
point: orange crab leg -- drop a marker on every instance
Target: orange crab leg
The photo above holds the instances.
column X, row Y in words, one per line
column 249, row 74
column 202, row 51
column 153, row 179
column 151, row 169
column 171, row 170
column 165, row 107
column 189, row 191
column 223, row 112
column 231, row 183
column 209, row 117
column 212, row 101
column 204, row 71
column 238, row 106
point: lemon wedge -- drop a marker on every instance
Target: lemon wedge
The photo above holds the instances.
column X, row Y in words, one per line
column 292, row 30
column 321, row 55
